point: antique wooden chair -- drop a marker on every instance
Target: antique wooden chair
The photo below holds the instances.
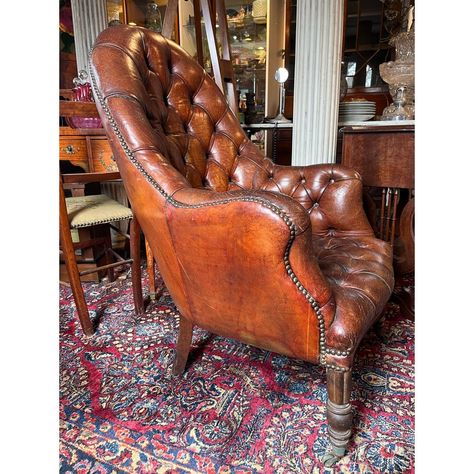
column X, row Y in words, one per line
column 90, row 211
column 282, row 258
column 96, row 212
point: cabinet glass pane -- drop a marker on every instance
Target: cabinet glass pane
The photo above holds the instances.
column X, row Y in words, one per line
column 247, row 22
column 149, row 14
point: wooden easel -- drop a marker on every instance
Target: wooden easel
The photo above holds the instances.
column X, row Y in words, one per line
column 213, row 11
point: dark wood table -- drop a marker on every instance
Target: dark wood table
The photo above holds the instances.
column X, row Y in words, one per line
column 279, row 147
column 384, row 154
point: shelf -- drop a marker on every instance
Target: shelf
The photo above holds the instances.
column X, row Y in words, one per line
column 368, row 47
column 377, row 14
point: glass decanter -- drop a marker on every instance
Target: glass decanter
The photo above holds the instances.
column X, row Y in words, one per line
column 397, row 110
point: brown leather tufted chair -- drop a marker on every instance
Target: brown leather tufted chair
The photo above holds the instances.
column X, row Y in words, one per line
column 282, row 258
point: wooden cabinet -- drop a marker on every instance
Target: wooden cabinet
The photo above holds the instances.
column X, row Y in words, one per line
column 384, row 155
column 88, row 149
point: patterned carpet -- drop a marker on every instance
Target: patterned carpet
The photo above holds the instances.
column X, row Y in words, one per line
column 237, row 409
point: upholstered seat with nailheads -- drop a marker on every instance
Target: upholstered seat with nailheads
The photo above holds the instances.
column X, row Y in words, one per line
column 85, row 211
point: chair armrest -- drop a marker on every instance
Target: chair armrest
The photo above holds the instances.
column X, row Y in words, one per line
column 238, row 251
column 331, row 193
column 195, row 198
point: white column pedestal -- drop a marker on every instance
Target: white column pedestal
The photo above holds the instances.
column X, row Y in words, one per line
column 89, row 18
column 319, row 29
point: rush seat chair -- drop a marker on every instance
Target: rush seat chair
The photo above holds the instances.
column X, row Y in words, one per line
column 282, row 258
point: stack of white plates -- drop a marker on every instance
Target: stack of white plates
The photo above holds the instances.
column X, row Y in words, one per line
column 358, row 110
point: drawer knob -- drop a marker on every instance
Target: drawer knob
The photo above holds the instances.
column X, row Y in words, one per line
column 70, row 150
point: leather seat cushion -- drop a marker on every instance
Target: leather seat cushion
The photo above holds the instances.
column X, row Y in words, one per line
column 359, row 271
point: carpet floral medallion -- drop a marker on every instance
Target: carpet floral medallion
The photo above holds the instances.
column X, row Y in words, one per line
column 236, row 409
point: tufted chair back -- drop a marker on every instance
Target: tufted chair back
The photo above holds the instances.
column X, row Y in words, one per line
column 188, row 120
column 185, row 118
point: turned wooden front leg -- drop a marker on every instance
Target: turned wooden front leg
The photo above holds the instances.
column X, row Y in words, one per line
column 339, row 410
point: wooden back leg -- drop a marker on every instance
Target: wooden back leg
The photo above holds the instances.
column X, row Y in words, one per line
column 150, row 267
column 136, row 269
column 183, row 345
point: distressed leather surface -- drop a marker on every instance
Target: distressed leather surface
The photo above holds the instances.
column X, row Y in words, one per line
column 248, row 249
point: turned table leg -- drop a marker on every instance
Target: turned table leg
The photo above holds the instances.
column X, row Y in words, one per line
column 339, row 414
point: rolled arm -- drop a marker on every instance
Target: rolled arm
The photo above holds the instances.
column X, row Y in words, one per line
column 331, row 194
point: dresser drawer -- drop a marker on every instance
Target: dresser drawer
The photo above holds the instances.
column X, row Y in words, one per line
column 72, row 149
column 102, row 157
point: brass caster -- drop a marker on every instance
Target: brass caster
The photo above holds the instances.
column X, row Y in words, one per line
column 331, row 458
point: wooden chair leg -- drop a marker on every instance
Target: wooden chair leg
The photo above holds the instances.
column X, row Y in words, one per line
column 136, row 270
column 150, row 267
column 108, row 258
column 71, row 266
column 183, row 345
column 339, row 414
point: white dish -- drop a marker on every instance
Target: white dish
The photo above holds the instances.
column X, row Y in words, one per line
column 356, row 117
column 358, row 102
column 356, row 106
column 364, row 107
column 362, row 111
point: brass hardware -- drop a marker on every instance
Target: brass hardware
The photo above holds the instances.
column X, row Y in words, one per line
column 70, row 149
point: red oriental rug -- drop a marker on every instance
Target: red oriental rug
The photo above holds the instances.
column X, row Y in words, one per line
column 236, row 409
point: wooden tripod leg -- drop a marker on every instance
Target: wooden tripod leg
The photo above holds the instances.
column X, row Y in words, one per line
column 183, row 345
column 339, row 414
column 136, row 270
column 71, row 266
column 150, row 268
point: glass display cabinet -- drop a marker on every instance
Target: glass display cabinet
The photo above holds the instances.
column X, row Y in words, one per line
column 256, row 49
column 368, row 27
column 257, row 35
column 149, row 14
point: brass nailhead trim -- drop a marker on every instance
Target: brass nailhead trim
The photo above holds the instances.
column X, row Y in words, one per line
column 314, row 304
